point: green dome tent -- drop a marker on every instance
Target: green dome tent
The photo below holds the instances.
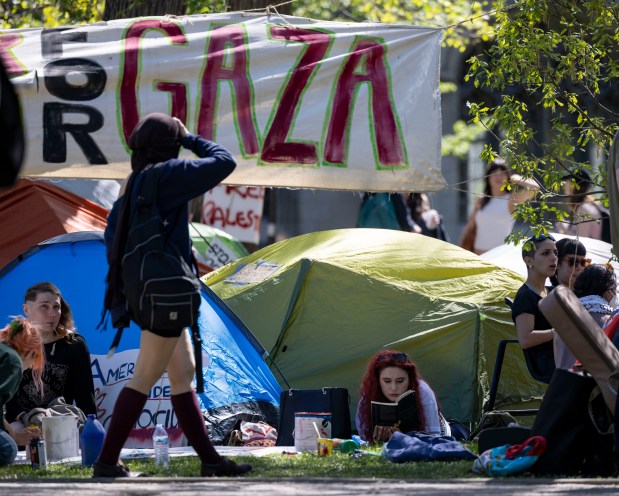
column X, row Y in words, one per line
column 321, row 304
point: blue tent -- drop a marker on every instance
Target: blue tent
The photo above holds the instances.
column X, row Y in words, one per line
column 238, row 383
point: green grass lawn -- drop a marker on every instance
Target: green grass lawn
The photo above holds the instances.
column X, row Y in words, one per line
column 305, row 465
column 293, row 466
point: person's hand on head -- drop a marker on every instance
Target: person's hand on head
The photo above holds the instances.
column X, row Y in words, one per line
column 182, row 127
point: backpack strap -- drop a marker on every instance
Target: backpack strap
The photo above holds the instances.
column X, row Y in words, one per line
column 146, row 199
column 145, row 196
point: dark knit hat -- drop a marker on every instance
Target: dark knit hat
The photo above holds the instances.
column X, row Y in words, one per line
column 156, row 138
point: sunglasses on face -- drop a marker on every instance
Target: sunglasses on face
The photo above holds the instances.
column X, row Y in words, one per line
column 398, row 357
column 542, row 237
column 583, row 262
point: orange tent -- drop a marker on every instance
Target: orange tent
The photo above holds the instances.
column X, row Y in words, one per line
column 33, row 211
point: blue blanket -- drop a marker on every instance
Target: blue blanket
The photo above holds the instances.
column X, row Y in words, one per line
column 415, row 446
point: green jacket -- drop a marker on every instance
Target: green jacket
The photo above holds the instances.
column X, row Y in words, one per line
column 11, row 370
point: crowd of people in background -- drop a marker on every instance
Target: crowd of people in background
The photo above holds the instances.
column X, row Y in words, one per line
column 493, row 214
column 564, row 262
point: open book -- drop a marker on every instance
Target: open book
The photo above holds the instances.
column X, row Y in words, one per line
column 402, row 413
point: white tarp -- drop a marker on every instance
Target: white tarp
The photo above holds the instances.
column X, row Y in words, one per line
column 300, row 103
column 509, row 256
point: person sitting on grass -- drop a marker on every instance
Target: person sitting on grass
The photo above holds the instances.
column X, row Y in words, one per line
column 388, row 375
column 67, row 374
column 21, row 348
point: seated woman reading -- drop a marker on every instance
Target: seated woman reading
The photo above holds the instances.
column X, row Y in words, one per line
column 389, row 374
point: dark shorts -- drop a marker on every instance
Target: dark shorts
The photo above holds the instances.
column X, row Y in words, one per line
column 167, row 334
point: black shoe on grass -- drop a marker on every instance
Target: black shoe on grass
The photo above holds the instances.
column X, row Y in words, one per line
column 224, row 468
column 119, row 470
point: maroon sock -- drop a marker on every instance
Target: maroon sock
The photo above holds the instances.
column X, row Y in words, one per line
column 126, row 412
column 192, row 423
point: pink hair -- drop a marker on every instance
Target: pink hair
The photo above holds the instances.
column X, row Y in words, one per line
column 25, row 339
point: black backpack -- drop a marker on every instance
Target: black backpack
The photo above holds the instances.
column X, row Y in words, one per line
column 160, row 291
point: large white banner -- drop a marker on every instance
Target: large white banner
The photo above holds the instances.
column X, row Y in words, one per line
column 300, row 103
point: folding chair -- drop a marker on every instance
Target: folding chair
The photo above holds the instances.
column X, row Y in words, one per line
column 498, row 365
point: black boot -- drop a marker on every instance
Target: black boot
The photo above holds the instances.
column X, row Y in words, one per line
column 225, row 467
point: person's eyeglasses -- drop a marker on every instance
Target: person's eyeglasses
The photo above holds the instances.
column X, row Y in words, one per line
column 398, row 357
column 583, row 262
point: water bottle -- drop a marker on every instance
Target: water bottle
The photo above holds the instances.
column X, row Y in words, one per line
column 161, row 444
column 91, row 440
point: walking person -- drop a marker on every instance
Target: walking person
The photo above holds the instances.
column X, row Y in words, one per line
column 156, row 140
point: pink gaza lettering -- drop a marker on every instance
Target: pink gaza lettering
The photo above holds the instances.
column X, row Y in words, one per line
column 227, row 61
column 366, row 53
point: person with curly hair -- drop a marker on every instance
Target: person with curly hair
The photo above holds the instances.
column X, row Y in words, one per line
column 388, row 375
column 21, row 348
column 67, row 372
column 596, row 288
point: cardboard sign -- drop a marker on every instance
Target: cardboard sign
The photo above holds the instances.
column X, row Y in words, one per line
column 236, row 210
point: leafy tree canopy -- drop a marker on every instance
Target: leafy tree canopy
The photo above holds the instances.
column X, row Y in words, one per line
column 553, row 62
column 547, row 71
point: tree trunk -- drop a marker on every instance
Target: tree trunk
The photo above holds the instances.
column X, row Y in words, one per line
column 124, row 9
column 235, row 5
